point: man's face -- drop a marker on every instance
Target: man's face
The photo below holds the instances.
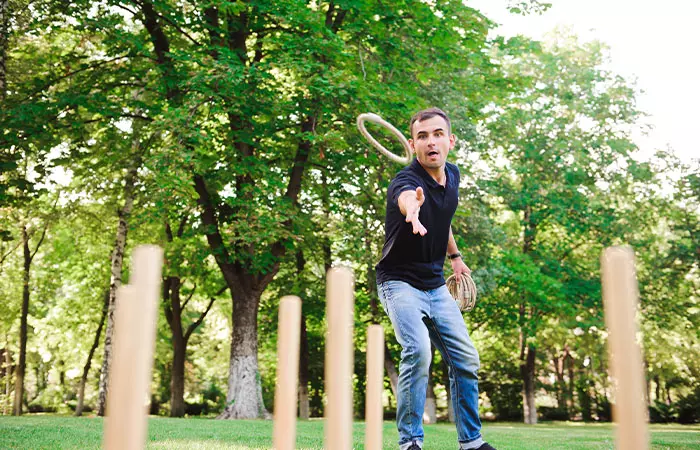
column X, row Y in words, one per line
column 431, row 141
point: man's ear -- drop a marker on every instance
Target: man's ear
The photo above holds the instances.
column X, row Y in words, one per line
column 410, row 144
column 453, row 141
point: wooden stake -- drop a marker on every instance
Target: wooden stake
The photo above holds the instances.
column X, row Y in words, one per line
column 134, row 342
column 339, row 359
column 374, row 410
column 289, row 332
column 620, row 298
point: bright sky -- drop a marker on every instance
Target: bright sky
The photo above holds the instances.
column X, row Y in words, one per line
column 658, row 43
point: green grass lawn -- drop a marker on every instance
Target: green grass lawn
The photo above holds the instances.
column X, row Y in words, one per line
column 56, row 432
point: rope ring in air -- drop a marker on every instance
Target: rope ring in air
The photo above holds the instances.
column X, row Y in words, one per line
column 371, row 117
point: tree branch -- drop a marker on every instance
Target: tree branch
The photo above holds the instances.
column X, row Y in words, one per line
column 166, row 304
column 296, row 174
column 46, row 227
column 43, row 235
column 2, row 260
column 168, row 231
column 181, row 228
column 46, row 86
column 189, row 298
column 211, row 225
column 193, row 326
column 173, row 24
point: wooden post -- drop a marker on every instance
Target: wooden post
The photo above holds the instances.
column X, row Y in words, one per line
column 339, row 359
column 126, row 423
column 374, row 410
column 620, row 299
column 288, row 336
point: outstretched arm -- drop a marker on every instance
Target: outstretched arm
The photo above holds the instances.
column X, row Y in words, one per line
column 409, row 204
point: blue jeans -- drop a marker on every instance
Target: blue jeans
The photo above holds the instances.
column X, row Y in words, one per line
column 419, row 317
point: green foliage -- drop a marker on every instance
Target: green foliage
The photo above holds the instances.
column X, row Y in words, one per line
column 660, row 412
column 689, row 407
column 499, row 374
column 550, row 178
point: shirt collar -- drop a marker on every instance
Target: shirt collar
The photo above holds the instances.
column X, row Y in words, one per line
column 420, row 170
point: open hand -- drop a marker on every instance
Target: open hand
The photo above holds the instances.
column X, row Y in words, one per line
column 412, row 205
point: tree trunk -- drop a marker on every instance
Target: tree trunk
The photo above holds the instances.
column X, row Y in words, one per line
column 430, row 411
column 4, row 35
column 304, row 378
column 180, row 336
column 571, row 387
column 22, row 366
column 391, row 371
column 304, row 407
column 647, row 383
column 527, row 372
column 177, row 373
column 657, row 382
column 172, row 287
column 117, row 262
column 446, row 382
column 584, row 398
column 88, row 363
column 244, row 398
column 559, row 368
column 527, row 362
column 177, row 379
column 8, row 377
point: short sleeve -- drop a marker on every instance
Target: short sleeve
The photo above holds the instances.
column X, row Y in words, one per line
column 404, row 181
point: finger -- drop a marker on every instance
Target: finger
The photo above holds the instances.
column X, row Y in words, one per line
column 421, row 229
column 419, row 195
column 418, row 227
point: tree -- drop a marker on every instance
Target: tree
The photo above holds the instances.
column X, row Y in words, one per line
column 28, row 254
column 178, row 249
column 136, row 152
column 563, row 136
column 295, row 74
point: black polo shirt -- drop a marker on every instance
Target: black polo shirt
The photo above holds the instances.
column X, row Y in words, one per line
column 416, row 259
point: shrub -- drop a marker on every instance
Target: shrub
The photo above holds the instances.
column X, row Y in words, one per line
column 660, row 412
column 603, row 409
column 552, row 413
column 689, row 407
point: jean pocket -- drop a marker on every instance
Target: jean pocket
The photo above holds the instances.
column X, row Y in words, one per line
column 383, row 293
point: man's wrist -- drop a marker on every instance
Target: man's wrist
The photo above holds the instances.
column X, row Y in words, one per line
column 454, row 256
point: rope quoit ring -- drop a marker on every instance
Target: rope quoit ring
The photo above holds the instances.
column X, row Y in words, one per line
column 371, row 117
column 463, row 292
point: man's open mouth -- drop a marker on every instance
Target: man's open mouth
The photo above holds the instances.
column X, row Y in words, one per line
column 433, row 153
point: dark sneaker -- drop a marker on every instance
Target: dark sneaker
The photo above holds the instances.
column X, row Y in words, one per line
column 485, row 446
column 414, row 446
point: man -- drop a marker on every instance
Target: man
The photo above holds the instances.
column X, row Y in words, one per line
column 421, row 201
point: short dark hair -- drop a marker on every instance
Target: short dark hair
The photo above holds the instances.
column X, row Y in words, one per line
column 429, row 114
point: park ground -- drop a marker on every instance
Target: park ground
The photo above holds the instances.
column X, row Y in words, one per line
column 60, row 432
